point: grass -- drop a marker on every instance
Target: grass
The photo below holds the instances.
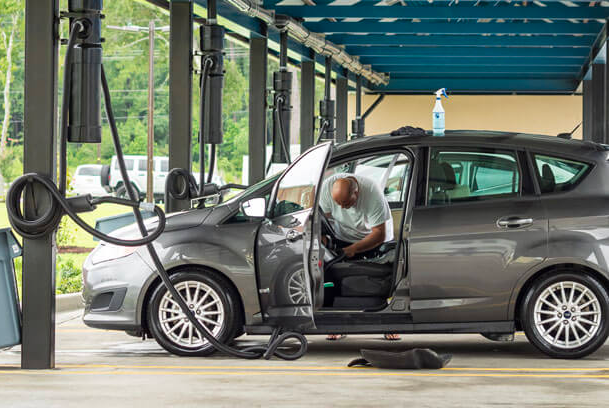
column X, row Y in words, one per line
column 69, row 266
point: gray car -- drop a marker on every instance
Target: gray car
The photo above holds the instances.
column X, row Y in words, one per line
column 493, row 233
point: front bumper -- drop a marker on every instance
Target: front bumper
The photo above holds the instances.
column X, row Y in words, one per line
column 113, row 291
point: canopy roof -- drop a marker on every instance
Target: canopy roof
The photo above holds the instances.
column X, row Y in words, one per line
column 463, row 45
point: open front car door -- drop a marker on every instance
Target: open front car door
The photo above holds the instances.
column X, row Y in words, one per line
column 290, row 276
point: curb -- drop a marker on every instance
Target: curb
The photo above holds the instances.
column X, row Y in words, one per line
column 69, row 302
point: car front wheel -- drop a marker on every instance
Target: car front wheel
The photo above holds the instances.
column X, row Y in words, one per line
column 565, row 315
column 212, row 300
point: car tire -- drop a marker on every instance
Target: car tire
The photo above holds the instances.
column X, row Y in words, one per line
column 121, row 192
column 565, row 314
column 219, row 300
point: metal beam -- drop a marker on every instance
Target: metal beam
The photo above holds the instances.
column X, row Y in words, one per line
column 307, row 104
column 40, row 140
column 180, row 92
column 479, row 85
column 400, row 27
column 470, row 52
column 451, row 70
column 257, row 108
column 598, row 102
column 462, row 40
column 438, row 11
column 587, row 110
column 342, row 98
column 456, row 61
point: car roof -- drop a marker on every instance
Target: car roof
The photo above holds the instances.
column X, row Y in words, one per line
column 541, row 143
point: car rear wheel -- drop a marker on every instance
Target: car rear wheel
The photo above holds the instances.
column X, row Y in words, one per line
column 214, row 303
column 565, row 315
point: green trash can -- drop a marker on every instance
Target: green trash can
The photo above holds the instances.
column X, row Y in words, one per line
column 10, row 311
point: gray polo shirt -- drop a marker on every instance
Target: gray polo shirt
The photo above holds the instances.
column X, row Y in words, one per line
column 370, row 210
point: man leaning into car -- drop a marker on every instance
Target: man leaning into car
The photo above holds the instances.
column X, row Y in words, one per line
column 361, row 212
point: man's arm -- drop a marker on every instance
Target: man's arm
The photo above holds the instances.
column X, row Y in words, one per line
column 370, row 241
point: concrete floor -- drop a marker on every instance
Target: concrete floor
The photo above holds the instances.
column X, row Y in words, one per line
column 110, row 369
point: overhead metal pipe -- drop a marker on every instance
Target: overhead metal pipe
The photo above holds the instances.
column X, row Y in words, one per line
column 310, row 39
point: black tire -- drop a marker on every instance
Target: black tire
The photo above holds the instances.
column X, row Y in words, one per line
column 230, row 327
column 533, row 331
column 121, row 192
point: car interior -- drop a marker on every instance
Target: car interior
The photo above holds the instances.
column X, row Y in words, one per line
column 366, row 284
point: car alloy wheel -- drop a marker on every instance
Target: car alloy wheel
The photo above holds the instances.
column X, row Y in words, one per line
column 206, row 305
column 210, row 296
column 564, row 314
column 567, row 314
column 297, row 288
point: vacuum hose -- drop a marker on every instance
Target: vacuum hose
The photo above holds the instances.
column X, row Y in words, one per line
column 44, row 224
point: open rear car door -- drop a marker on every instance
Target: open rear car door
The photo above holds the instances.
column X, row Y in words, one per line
column 288, row 252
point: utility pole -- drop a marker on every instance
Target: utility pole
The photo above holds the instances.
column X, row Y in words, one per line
column 150, row 145
column 150, row 159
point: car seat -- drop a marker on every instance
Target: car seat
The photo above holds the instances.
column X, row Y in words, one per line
column 547, row 183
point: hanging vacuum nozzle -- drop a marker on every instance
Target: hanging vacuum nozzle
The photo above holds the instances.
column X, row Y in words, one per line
column 212, row 49
column 358, row 124
column 282, row 91
column 327, row 108
column 85, row 73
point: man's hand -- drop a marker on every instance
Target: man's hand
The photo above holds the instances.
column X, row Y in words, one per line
column 350, row 251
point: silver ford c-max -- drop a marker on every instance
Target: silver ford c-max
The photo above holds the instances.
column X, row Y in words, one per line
column 494, row 232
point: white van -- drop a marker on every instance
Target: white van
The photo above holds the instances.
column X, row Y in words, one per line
column 136, row 168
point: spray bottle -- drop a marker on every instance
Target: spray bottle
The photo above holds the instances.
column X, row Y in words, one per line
column 438, row 113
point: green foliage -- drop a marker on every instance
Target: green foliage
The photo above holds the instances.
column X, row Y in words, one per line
column 65, row 233
column 11, row 163
column 69, row 276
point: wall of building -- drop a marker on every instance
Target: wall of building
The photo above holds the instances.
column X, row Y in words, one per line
column 515, row 113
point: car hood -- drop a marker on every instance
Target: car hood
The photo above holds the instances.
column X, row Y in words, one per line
column 175, row 221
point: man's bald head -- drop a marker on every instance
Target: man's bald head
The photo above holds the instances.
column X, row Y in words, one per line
column 345, row 192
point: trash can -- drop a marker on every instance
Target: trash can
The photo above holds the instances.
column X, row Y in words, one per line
column 10, row 311
column 114, row 222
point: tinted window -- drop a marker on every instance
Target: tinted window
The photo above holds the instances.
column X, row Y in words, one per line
column 469, row 175
column 164, row 166
column 389, row 171
column 556, row 174
column 128, row 164
column 89, row 171
column 142, row 165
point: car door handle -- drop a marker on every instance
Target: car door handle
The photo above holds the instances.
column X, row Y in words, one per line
column 514, row 222
column 293, row 235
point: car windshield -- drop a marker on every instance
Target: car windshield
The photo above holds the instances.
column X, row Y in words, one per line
column 253, row 188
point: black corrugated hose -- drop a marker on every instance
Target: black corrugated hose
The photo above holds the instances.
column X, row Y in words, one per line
column 47, row 222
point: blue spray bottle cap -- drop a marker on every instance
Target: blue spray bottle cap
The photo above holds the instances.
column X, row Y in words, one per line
column 441, row 92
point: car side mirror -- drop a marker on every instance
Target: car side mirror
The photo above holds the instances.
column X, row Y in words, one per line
column 255, row 208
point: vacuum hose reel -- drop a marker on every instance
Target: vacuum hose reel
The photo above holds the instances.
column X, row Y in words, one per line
column 45, row 204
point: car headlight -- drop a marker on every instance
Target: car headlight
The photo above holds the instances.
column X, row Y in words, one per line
column 107, row 252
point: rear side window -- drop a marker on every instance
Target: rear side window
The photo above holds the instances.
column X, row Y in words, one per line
column 128, row 164
column 164, row 166
column 89, row 171
column 142, row 165
column 557, row 174
column 469, row 175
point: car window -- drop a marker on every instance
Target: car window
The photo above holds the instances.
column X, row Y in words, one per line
column 296, row 190
column 142, row 165
column 470, row 175
column 128, row 164
column 89, row 171
column 164, row 165
column 557, row 174
column 390, row 171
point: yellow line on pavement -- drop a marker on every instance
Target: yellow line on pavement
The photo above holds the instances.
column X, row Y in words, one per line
column 355, row 373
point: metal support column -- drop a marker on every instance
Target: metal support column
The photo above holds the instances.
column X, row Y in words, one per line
column 357, row 124
column 257, row 109
column 307, row 103
column 40, row 140
column 180, row 91
column 598, row 103
column 587, row 110
column 342, row 98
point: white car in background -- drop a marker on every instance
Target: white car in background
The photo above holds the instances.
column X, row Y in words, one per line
column 136, row 168
column 87, row 180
